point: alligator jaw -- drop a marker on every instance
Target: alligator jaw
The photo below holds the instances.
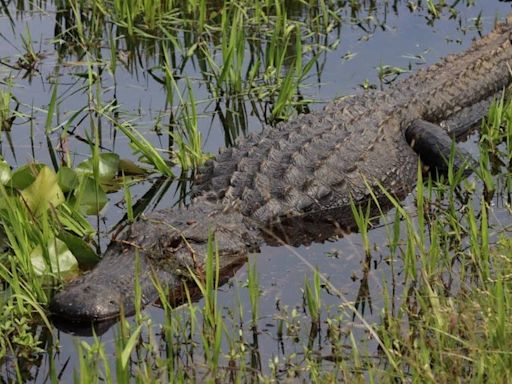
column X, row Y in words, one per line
column 109, row 289
column 87, row 302
column 164, row 247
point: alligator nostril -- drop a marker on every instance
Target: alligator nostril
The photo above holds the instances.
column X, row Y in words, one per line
column 175, row 243
column 112, row 302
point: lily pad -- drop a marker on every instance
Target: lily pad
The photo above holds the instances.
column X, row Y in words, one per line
column 43, row 191
column 25, row 175
column 5, row 172
column 83, row 253
column 130, row 168
column 61, row 260
column 107, row 167
column 68, row 179
column 90, row 197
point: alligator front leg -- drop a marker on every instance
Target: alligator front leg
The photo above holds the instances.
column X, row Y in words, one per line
column 434, row 146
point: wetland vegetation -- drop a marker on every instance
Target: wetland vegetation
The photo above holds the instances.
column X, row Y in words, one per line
column 106, row 110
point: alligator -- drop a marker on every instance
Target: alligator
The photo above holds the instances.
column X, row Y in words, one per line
column 297, row 180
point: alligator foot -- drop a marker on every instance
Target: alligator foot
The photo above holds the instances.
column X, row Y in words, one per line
column 435, row 146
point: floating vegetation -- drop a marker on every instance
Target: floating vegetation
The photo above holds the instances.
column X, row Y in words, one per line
column 105, row 103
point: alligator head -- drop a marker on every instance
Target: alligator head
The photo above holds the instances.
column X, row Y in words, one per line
column 162, row 248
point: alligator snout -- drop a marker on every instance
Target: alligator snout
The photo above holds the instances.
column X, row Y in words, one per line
column 108, row 290
column 86, row 302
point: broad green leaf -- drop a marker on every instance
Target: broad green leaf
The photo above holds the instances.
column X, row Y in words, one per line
column 130, row 168
column 90, row 197
column 113, row 185
column 85, row 256
column 61, row 260
column 68, row 179
column 43, row 191
column 107, row 168
column 5, row 172
column 25, row 175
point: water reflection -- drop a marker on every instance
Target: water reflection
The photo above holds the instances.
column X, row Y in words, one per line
column 141, row 61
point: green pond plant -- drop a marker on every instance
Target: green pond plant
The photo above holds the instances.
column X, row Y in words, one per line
column 449, row 320
column 452, row 321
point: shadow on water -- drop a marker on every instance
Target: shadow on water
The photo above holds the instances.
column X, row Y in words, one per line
column 327, row 226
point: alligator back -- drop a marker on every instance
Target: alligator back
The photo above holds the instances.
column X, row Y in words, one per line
column 315, row 162
column 320, row 161
column 460, row 80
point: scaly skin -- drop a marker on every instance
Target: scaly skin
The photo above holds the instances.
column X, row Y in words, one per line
column 305, row 170
column 175, row 245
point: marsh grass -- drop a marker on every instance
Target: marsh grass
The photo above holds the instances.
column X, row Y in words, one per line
column 246, row 54
column 450, row 320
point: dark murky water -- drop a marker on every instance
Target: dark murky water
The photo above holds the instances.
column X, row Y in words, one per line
column 401, row 36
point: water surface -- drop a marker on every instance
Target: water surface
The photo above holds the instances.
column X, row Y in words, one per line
column 387, row 36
